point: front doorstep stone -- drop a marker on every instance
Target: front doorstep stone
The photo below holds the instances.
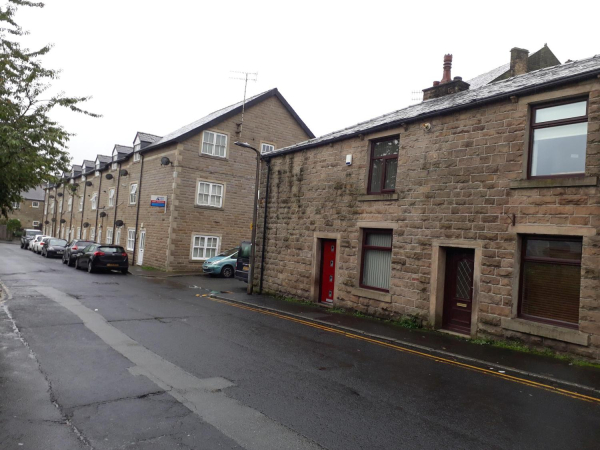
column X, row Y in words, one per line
column 547, row 331
column 374, row 295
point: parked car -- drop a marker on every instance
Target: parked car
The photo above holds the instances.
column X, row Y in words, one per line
column 74, row 248
column 34, row 240
column 103, row 257
column 243, row 261
column 28, row 236
column 223, row 264
column 53, row 247
column 37, row 243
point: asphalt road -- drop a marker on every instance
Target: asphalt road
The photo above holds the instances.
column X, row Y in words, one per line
column 112, row 361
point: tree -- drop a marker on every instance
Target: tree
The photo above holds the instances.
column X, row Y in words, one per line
column 32, row 145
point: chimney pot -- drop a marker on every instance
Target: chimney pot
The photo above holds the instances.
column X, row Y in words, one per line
column 447, row 69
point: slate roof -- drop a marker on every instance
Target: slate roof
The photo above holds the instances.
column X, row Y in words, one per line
column 147, row 137
column 519, row 85
column 104, row 159
column 215, row 117
column 123, row 149
column 87, row 166
column 36, row 194
column 488, row 77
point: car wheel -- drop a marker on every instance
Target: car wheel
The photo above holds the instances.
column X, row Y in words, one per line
column 227, row 272
column 64, row 261
column 71, row 263
column 90, row 267
column 124, row 271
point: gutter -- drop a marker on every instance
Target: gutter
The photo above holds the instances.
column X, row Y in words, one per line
column 493, row 98
column 137, row 214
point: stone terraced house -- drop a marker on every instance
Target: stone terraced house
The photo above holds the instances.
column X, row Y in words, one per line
column 475, row 211
column 174, row 201
column 29, row 211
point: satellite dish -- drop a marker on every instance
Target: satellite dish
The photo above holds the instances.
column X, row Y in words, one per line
column 60, row 194
column 123, row 172
column 102, row 214
column 88, row 183
column 164, row 161
column 119, row 223
column 63, row 220
column 86, row 224
column 109, row 176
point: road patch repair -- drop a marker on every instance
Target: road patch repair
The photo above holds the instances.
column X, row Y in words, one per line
column 205, row 397
column 568, row 389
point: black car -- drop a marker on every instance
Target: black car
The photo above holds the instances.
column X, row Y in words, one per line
column 74, row 248
column 28, row 236
column 103, row 257
column 54, row 247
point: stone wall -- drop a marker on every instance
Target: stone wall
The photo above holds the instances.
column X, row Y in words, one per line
column 458, row 183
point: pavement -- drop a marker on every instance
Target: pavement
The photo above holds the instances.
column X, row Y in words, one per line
column 135, row 362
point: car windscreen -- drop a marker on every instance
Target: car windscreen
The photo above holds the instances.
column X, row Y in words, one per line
column 31, row 232
column 82, row 244
column 245, row 250
column 111, row 249
column 59, row 242
column 229, row 252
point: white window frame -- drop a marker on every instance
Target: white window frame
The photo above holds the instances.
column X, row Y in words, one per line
column 45, row 208
column 97, row 173
column 84, row 234
column 83, row 178
column 60, row 207
column 94, row 201
column 202, row 251
column 93, row 234
column 264, row 148
column 209, row 148
column 36, row 223
column 70, row 204
column 35, row 204
column 111, row 197
column 114, row 165
column 78, row 233
column 109, row 235
column 52, row 208
column 118, row 237
column 80, row 203
column 16, row 205
column 130, row 238
column 212, row 187
column 133, row 194
column 136, row 156
column 99, row 235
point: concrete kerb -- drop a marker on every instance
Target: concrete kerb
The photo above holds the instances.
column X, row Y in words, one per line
column 411, row 345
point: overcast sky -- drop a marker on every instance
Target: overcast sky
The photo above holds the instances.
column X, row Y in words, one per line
column 155, row 66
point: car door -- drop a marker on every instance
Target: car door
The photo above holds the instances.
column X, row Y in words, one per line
column 85, row 255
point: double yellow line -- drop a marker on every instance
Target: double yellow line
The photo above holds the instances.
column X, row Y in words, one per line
column 399, row 348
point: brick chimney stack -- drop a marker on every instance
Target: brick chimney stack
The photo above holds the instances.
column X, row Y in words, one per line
column 447, row 69
column 518, row 61
column 447, row 85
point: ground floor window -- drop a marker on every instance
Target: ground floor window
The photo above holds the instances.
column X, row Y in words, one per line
column 109, row 235
column 130, row 238
column 93, row 234
column 84, row 234
column 36, row 223
column 118, row 237
column 551, row 279
column 376, row 267
column 204, row 247
column 78, row 235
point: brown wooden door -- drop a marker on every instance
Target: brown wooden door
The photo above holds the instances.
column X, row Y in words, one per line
column 327, row 271
column 458, row 293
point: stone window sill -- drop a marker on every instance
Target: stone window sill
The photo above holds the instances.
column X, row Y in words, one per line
column 377, row 197
column 374, row 295
column 220, row 158
column 554, row 182
column 213, row 208
column 547, row 331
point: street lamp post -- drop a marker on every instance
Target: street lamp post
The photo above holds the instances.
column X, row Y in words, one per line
column 253, row 244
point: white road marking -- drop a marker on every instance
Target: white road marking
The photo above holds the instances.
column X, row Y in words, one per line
column 249, row 428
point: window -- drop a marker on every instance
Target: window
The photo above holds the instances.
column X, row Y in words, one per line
column 36, row 223
column 210, row 194
column 35, row 204
column 384, row 165
column 136, row 156
column 118, row 237
column 70, row 204
column 266, row 148
column 94, row 201
column 133, row 194
column 214, row 144
column 97, row 173
column 114, row 166
column 99, row 235
column 78, row 235
column 92, row 234
column 111, row 197
column 130, row 238
column 60, row 207
column 45, row 208
column 376, row 259
column 109, row 235
column 64, row 232
column 52, row 208
column 83, row 178
column 15, row 205
column 204, row 247
column 558, row 139
column 80, row 203
column 550, row 279
column 84, row 234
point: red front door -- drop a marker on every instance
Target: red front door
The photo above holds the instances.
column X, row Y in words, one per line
column 458, row 296
column 327, row 270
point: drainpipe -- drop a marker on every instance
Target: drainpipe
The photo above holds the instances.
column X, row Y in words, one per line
column 98, row 204
column 71, row 218
column 55, row 210
column 62, row 208
column 116, row 206
column 264, row 238
column 137, row 214
column 83, row 207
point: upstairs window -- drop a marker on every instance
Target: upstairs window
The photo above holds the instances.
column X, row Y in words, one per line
column 70, row 204
column 115, row 164
column 266, row 148
column 35, row 204
column 558, row 139
column 60, row 207
column 15, row 205
column 136, row 156
column 210, row 194
column 384, row 165
column 80, row 203
column 551, row 279
column 214, row 144
column 94, row 201
column 111, row 197
column 133, row 194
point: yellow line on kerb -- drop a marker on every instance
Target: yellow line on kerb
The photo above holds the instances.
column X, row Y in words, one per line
column 399, row 348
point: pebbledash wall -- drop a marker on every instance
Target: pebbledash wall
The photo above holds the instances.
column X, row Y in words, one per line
column 169, row 233
column 457, row 185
